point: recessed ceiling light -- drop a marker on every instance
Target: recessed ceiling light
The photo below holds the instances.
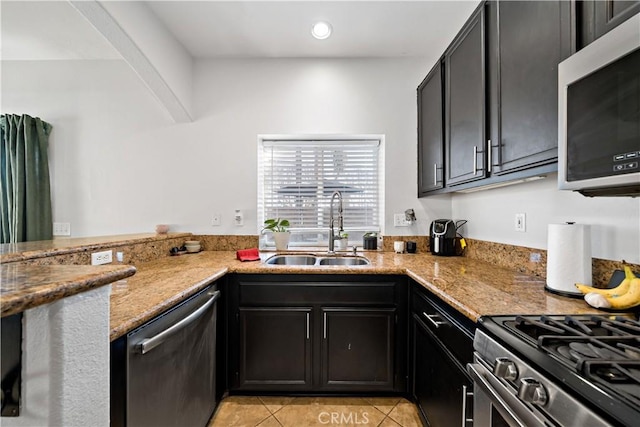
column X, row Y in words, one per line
column 321, row 30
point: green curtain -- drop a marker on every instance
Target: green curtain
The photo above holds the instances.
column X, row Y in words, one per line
column 25, row 194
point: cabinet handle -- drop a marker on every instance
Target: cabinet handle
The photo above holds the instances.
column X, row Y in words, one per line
column 435, row 323
column 489, row 154
column 475, row 157
column 435, row 174
column 465, row 393
column 324, row 326
column 307, row 325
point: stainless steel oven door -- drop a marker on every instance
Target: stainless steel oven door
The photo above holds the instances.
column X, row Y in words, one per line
column 495, row 405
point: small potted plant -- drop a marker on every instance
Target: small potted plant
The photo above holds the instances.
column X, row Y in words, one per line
column 342, row 241
column 279, row 228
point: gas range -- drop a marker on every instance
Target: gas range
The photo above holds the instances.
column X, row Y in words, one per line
column 591, row 362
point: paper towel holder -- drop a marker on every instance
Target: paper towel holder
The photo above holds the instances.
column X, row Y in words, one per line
column 578, row 237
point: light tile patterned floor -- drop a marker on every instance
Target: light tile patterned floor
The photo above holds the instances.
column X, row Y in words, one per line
column 273, row 411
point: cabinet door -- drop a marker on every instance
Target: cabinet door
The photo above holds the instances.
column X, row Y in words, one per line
column 532, row 38
column 357, row 349
column 438, row 383
column 597, row 17
column 430, row 132
column 275, row 348
column 465, row 104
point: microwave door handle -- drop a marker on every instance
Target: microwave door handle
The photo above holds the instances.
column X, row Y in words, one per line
column 149, row 344
column 508, row 404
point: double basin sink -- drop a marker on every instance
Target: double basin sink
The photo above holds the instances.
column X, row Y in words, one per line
column 316, row 260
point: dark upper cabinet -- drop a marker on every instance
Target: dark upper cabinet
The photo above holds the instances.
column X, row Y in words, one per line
column 430, row 132
column 595, row 18
column 465, row 139
column 527, row 40
column 500, row 101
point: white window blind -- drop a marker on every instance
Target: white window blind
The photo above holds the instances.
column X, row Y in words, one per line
column 298, row 176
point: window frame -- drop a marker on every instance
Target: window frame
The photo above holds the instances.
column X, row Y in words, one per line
column 355, row 236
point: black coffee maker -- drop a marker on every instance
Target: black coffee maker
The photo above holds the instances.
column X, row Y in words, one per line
column 442, row 235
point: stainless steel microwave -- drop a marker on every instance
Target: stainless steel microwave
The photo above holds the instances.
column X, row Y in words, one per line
column 599, row 115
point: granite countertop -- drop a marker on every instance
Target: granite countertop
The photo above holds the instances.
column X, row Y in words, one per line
column 28, row 286
column 472, row 287
column 12, row 252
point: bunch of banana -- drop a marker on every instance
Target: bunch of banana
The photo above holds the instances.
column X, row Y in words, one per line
column 624, row 296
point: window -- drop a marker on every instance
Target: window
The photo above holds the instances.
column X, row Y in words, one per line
column 298, row 175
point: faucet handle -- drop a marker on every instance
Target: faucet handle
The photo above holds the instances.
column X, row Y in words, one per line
column 355, row 249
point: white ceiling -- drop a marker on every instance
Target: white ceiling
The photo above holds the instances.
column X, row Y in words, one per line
column 214, row 29
column 49, row 30
column 283, row 28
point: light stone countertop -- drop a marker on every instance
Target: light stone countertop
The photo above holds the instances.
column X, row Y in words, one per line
column 472, row 287
column 12, row 252
column 27, row 286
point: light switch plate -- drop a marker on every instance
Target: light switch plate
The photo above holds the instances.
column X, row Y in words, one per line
column 521, row 222
column 400, row 220
column 62, row 229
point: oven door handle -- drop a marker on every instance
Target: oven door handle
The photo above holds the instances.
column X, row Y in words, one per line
column 506, row 404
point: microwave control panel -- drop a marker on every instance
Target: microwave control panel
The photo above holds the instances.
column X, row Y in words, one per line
column 626, row 162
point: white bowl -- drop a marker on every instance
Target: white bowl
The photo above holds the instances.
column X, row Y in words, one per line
column 192, row 248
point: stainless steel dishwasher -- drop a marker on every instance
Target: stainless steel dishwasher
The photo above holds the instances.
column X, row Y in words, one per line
column 171, row 365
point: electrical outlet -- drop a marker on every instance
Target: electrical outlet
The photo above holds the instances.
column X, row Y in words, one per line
column 216, row 219
column 521, row 222
column 62, row 229
column 99, row 258
column 400, row 220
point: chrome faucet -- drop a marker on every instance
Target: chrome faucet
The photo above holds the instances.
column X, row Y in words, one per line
column 332, row 235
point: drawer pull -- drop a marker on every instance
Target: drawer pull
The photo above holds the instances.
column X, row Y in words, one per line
column 430, row 317
column 465, row 394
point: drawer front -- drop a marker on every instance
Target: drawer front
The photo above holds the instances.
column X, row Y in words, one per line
column 452, row 328
column 261, row 293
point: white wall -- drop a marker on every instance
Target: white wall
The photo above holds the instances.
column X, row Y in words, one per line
column 120, row 166
column 239, row 99
column 615, row 221
column 65, row 363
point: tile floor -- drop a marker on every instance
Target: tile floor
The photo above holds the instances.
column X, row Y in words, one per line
column 273, row 411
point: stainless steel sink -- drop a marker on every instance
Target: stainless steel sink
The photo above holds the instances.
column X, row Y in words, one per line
column 292, row 259
column 344, row 260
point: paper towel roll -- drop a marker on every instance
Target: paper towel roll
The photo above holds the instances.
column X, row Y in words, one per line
column 568, row 257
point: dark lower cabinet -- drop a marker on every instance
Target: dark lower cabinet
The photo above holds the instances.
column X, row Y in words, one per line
column 358, row 348
column 317, row 334
column 441, row 343
column 275, row 347
column 440, row 386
